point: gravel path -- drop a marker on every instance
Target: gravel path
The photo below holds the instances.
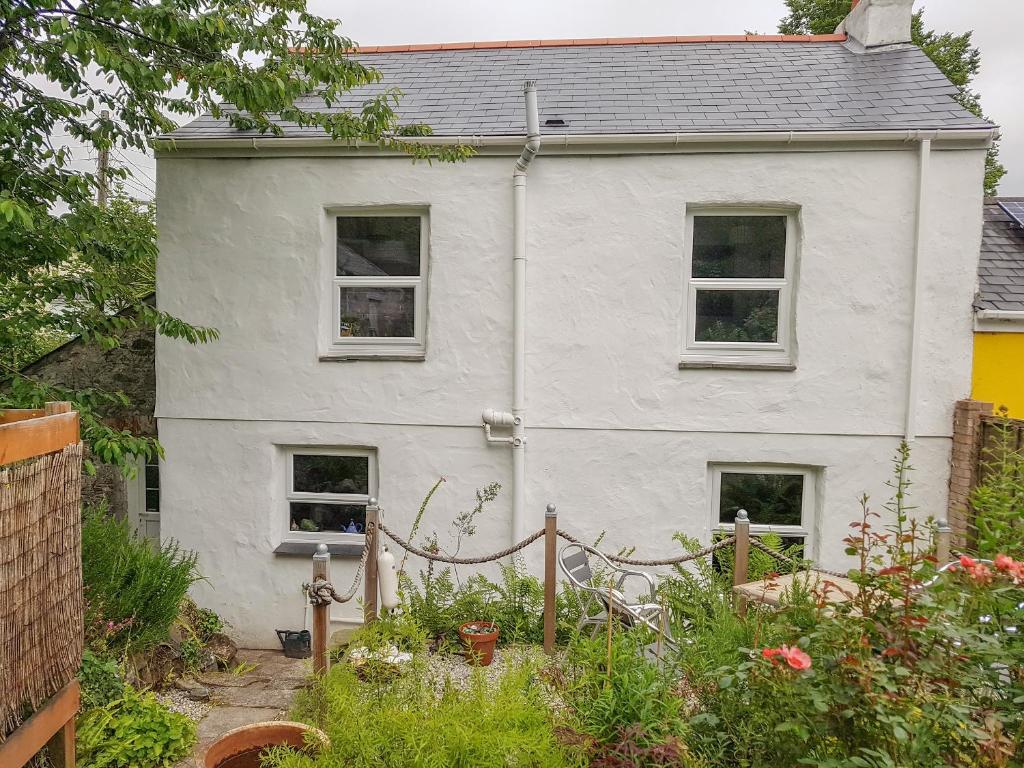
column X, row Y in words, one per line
column 179, row 701
column 453, row 669
column 454, row 666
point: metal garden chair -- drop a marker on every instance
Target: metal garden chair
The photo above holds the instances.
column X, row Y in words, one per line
column 601, row 599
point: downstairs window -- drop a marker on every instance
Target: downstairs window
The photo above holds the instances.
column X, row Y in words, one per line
column 778, row 499
column 327, row 493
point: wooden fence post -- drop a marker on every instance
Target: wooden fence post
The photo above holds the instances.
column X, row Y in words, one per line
column 741, row 564
column 550, row 542
column 321, row 613
column 943, row 543
column 370, row 588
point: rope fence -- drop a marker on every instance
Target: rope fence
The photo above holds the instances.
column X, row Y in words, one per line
column 686, row 557
column 439, row 558
column 796, row 565
column 321, row 592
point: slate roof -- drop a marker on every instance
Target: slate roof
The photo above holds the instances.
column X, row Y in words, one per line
column 766, row 84
column 1001, row 265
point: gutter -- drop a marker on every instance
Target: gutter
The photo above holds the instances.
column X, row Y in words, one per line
column 653, row 140
column 999, row 321
column 1004, row 315
column 517, row 418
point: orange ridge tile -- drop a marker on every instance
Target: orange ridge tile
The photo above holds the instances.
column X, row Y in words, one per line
column 567, row 43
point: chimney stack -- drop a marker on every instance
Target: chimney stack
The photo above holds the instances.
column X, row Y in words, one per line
column 879, row 23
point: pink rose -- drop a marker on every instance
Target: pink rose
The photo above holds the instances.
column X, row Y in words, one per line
column 796, row 658
column 1004, row 563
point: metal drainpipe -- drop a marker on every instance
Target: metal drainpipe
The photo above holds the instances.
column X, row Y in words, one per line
column 530, row 150
column 924, row 162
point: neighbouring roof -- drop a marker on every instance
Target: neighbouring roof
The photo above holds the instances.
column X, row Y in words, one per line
column 651, row 85
column 1001, row 265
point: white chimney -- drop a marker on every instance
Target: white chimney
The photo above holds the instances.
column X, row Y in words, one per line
column 876, row 23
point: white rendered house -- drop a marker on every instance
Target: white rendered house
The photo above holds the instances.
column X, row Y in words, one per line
column 751, row 264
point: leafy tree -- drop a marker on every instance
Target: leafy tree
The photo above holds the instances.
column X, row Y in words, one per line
column 954, row 55
column 113, row 73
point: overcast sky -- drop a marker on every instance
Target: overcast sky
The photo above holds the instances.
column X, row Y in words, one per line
column 996, row 24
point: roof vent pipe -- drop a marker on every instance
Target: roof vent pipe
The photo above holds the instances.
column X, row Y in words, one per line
column 532, row 146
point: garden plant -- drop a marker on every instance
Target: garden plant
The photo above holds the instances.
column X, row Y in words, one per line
column 913, row 667
column 136, row 594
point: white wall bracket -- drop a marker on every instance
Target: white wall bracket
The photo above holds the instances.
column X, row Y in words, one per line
column 502, row 419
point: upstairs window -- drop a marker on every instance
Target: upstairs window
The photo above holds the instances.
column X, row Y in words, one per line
column 739, row 287
column 378, row 289
column 327, row 493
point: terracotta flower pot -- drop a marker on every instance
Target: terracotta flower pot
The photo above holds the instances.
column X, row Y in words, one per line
column 480, row 643
column 241, row 747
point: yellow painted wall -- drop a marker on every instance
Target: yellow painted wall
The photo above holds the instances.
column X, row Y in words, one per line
column 999, row 370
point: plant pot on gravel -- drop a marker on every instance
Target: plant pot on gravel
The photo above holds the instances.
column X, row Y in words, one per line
column 479, row 638
column 241, row 747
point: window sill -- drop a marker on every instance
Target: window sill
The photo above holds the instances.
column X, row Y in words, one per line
column 416, row 356
column 734, row 364
column 308, row 548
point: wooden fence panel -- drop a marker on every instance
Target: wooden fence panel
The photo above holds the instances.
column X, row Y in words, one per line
column 41, row 601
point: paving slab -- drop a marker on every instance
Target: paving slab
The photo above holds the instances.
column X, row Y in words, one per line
column 264, row 692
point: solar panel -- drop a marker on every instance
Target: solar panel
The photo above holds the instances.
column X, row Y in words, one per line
column 1014, row 209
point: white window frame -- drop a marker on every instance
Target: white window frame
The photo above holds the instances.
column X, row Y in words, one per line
column 349, row 347
column 291, row 495
column 145, row 522
column 779, row 353
column 808, row 503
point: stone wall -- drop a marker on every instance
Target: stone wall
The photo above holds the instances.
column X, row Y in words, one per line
column 129, row 368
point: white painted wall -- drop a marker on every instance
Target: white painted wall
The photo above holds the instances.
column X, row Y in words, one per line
column 619, row 437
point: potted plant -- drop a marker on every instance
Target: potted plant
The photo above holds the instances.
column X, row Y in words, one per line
column 241, row 748
column 479, row 638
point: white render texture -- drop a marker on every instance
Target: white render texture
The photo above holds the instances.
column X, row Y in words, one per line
column 619, row 438
column 874, row 23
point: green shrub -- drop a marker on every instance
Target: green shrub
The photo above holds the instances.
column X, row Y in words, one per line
column 610, row 694
column 133, row 591
column 703, row 616
column 900, row 675
column 515, row 603
column 392, row 630
column 932, row 687
column 408, row 725
column 206, row 624
column 998, row 500
column 135, row 731
column 198, row 626
column 101, row 681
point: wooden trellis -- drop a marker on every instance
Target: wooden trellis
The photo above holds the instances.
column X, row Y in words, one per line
column 41, row 601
